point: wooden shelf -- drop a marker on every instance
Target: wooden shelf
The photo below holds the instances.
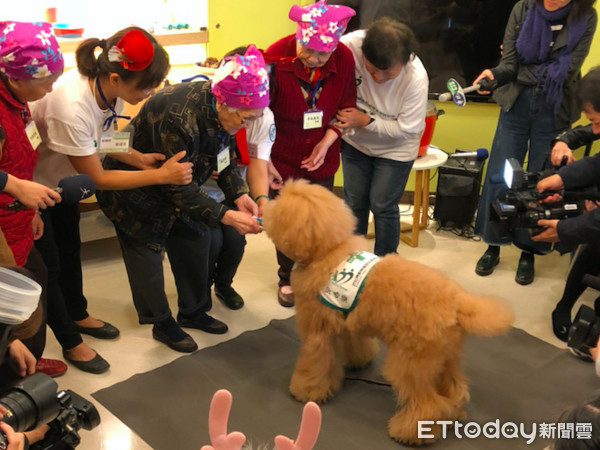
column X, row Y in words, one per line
column 164, row 38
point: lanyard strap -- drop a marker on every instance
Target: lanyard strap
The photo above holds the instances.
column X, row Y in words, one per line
column 112, row 119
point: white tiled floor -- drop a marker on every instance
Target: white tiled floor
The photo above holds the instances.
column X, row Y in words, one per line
column 107, row 289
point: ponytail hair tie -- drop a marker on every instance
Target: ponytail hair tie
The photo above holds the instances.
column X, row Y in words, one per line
column 134, row 51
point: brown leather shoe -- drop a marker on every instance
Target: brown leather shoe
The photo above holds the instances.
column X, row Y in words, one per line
column 286, row 300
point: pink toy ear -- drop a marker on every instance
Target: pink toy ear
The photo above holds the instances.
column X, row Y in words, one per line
column 218, row 417
column 309, row 430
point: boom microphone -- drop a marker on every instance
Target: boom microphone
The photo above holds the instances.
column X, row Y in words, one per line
column 480, row 155
column 72, row 189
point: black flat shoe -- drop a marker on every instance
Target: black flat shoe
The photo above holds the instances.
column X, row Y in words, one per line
column 106, row 331
column 561, row 323
column 229, row 297
column 526, row 270
column 186, row 345
column 486, row 264
column 203, row 322
column 96, row 365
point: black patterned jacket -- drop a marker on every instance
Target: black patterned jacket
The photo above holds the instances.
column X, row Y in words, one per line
column 180, row 117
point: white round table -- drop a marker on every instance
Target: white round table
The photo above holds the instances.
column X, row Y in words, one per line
column 422, row 165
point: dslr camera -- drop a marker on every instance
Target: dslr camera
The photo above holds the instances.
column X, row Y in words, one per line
column 35, row 401
column 521, row 207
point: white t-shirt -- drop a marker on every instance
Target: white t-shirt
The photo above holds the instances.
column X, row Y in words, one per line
column 70, row 123
column 260, row 136
column 398, row 107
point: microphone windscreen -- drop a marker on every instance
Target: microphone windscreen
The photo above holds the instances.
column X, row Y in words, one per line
column 76, row 188
column 482, row 154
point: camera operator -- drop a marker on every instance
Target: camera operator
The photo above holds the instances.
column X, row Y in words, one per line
column 582, row 229
column 584, row 173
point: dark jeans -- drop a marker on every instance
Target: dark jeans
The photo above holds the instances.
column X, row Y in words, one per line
column 375, row 184
column 285, row 263
column 190, row 257
column 60, row 248
column 527, row 129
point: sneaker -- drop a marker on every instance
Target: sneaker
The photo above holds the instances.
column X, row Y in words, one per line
column 51, row 367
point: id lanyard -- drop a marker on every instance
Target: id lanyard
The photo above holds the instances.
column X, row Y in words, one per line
column 313, row 118
column 112, row 119
column 112, row 142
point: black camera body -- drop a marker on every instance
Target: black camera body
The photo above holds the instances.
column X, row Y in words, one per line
column 520, row 206
column 35, row 401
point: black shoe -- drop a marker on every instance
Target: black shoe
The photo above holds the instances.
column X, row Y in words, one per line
column 561, row 323
column 106, row 331
column 185, row 345
column 229, row 297
column 203, row 322
column 580, row 354
column 526, row 270
column 96, row 365
column 489, row 260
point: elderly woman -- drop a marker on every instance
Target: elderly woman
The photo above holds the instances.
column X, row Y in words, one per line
column 313, row 78
column 200, row 119
column 30, row 63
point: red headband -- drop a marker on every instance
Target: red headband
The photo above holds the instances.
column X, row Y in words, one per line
column 134, row 51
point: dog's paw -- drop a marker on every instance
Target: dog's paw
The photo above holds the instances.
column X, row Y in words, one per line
column 304, row 392
column 411, row 437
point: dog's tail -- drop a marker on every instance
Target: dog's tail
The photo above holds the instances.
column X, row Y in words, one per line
column 483, row 316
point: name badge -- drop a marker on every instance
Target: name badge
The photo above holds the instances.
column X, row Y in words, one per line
column 223, row 160
column 313, row 118
column 114, row 142
column 33, row 135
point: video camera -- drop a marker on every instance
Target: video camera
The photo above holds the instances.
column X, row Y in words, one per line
column 35, row 401
column 520, row 206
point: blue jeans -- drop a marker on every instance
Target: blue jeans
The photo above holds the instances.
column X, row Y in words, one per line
column 528, row 128
column 375, row 184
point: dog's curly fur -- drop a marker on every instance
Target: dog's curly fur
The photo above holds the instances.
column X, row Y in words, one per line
column 421, row 315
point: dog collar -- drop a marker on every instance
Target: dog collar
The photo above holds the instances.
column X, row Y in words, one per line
column 347, row 280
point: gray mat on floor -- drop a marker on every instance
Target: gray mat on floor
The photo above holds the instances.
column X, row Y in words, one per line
column 514, row 378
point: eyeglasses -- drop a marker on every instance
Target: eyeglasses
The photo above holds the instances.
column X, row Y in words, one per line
column 243, row 120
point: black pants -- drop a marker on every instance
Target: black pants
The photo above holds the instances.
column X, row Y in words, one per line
column 232, row 245
column 60, row 248
column 192, row 257
column 285, row 263
column 37, row 271
column 586, row 261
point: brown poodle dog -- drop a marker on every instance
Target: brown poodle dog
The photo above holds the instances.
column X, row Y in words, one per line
column 422, row 316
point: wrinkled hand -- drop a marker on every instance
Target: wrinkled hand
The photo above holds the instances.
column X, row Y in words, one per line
column 351, row 118
column 560, row 150
column 309, row 430
column 243, row 222
column 175, row 172
column 550, row 234
column 22, row 357
column 218, row 416
column 34, row 195
column 245, row 204
column 275, row 180
column 551, row 183
column 316, row 158
column 37, row 224
column 487, row 73
column 150, row 160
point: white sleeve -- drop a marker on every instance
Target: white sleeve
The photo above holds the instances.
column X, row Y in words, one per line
column 261, row 135
column 73, row 140
column 411, row 120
